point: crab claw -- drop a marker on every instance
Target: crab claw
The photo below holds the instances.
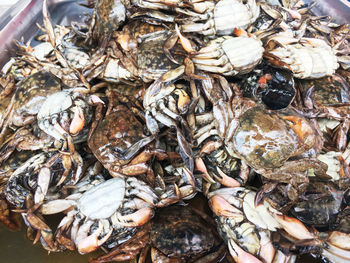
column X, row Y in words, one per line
column 86, row 244
column 339, row 239
column 78, row 121
column 226, row 180
column 44, row 229
column 221, row 207
column 139, row 218
column 294, row 227
column 239, row 255
column 186, row 44
column 43, row 184
column 200, row 166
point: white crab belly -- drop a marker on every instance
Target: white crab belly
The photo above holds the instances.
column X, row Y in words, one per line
column 244, row 53
column 231, row 14
column 103, row 200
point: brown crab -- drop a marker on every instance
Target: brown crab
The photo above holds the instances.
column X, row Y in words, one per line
column 176, row 234
column 118, row 141
column 141, row 52
column 328, row 97
column 264, row 139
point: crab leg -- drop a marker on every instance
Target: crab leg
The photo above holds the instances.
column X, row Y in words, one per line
column 67, row 164
column 239, row 255
column 56, row 206
column 200, row 166
column 226, row 180
column 171, row 196
column 44, row 229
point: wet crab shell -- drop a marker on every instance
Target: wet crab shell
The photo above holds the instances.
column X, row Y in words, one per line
column 179, row 232
column 54, row 104
column 109, row 15
column 102, row 200
column 264, row 138
column 30, row 95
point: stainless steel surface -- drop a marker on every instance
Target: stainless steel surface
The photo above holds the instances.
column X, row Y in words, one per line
column 20, row 21
column 338, row 10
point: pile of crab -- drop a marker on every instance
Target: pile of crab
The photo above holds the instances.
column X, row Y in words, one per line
column 116, row 124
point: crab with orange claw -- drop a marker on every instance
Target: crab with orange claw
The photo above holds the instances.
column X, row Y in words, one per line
column 247, row 228
column 62, row 113
column 112, row 204
column 307, row 58
column 237, row 212
column 118, row 140
column 218, row 167
column 265, row 140
column 176, row 234
column 43, row 174
column 27, row 100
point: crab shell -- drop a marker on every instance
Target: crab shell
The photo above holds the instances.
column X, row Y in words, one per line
column 230, row 55
column 226, row 16
column 308, row 58
column 102, row 200
column 230, row 14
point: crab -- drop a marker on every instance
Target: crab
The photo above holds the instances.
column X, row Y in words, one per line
column 203, row 17
column 119, row 143
column 320, row 204
column 328, row 98
column 218, row 167
column 107, row 17
column 250, row 230
column 28, row 98
column 176, row 234
column 42, row 173
column 307, row 58
column 100, row 209
column 220, row 18
column 247, row 228
column 220, row 55
column 174, row 182
column 141, row 52
column 262, row 138
column 22, row 111
column 273, row 87
column 168, row 106
column 65, row 115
